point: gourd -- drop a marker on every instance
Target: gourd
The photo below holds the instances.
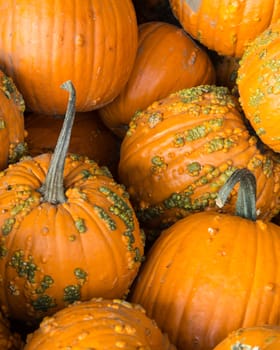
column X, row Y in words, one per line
column 167, row 60
column 68, row 232
column 89, row 137
column 99, row 324
column 258, row 85
column 12, row 133
column 212, row 273
column 92, row 42
column 252, row 338
column 225, row 26
column 179, row 151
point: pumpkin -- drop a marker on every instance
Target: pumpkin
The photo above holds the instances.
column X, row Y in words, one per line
column 225, row 26
column 259, row 85
column 93, row 43
column 167, row 60
column 9, row 340
column 12, row 133
column 252, row 338
column 89, row 137
column 99, row 324
column 68, row 232
column 212, row 273
column 179, row 151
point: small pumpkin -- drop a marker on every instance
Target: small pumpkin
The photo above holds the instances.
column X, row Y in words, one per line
column 259, row 86
column 212, row 273
column 12, row 133
column 92, row 42
column 225, row 26
column 167, row 60
column 89, row 137
column 265, row 337
column 68, row 232
column 99, row 324
column 179, row 151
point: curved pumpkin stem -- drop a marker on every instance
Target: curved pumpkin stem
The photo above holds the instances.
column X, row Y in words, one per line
column 53, row 188
column 246, row 197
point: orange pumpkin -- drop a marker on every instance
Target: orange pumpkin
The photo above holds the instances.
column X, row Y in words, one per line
column 99, row 324
column 12, row 133
column 225, row 26
column 89, row 137
column 212, row 273
column 252, row 338
column 167, row 60
column 180, row 150
column 92, row 42
column 68, row 232
column 259, row 85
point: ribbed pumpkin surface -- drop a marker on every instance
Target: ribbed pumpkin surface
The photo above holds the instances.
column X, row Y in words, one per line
column 179, row 151
column 100, row 325
column 91, row 42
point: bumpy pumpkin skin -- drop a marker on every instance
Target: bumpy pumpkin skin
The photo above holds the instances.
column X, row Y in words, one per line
column 89, row 137
column 180, row 150
column 167, row 60
column 252, row 338
column 210, row 274
column 223, row 25
column 258, row 85
column 52, row 255
column 93, row 43
column 99, row 324
column 12, row 133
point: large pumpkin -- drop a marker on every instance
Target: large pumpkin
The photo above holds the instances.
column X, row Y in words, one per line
column 99, row 324
column 68, row 232
column 91, row 42
column 259, row 85
column 225, row 26
column 180, row 150
column 167, row 60
column 212, row 273
column 12, row 133
column 252, row 338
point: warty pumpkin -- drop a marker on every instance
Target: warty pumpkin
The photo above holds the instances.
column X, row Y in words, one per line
column 99, row 324
column 179, row 151
column 167, row 60
column 259, row 85
column 212, row 273
column 12, row 133
column 91, row 42
column 252, row 338
column 225, row 26
column 68, row 232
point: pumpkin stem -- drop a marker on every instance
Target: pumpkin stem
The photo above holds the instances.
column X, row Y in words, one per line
column 246, row 197
column 53, row 188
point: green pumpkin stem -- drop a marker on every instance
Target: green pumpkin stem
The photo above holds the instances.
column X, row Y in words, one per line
column 53, row 187
column 246, row 197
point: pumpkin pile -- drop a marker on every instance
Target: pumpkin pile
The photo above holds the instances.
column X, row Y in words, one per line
column 139, row 175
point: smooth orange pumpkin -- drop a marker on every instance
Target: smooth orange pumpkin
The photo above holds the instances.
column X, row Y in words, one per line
column 167, row 60
column 225, row 26
column 99, row 324
column 68, row 232
column 89, row 137
column 91, row 42
column 259, row 85
column 12, row 133
column 212, row 273
column 179, row 151
column 252, row 338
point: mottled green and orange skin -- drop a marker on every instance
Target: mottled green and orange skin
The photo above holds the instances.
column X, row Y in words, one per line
column 259, row 85
column 54, row 254
column 179, row 152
